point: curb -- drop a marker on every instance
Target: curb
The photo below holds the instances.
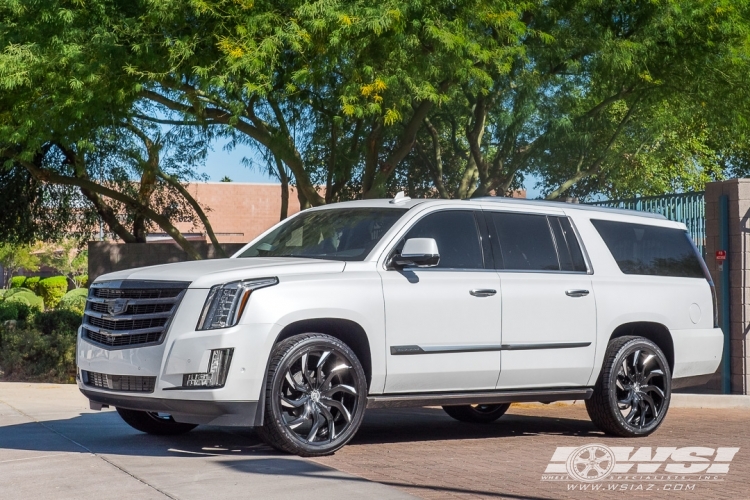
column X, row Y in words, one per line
column 710, row 401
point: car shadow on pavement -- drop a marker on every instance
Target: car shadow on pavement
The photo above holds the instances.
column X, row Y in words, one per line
column 105, row 432
column 281, row 467
column 433, row 424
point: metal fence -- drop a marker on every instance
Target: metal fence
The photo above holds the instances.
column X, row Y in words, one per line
column 688, row 208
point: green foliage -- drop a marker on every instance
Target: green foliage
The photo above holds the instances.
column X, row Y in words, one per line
column 52, row 290
column 26, row 297
column 31, row 283
column 452, row 99
column 27, row 353
column 13, row 310
column 67, row 257
column 74, row 300
column 57, row 320
column 14, row 257
column 17, row 281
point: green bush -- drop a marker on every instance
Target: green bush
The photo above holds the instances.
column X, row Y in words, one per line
column 30, row 354
column 74, row 300
column 17, row 311
column 60, row 320
column 17, row 281
column 83, row 280
column 52, row 290
column 32, row 283
column 12, row 291
column 26, row 297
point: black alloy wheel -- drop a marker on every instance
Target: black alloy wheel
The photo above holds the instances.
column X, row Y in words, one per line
column 315, row 397
column 632, row 394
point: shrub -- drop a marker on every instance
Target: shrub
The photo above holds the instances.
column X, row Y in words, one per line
column 82, row 280
column 29, row 354
column 61, row 321
column 52, row 290
column 17, row 281
column 16, row 311
column 26, row 297
column 32, row 284
column 74, row 300
column 12, row 291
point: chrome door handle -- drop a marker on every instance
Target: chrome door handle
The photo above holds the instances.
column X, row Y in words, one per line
column 485, row 292
column 576, row 293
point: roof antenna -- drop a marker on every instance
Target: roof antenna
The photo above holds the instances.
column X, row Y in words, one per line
column 400, row 198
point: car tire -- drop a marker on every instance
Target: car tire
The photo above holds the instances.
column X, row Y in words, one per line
column 477, row 414
column 154, row 423
column 316, row 394
column 631, row 396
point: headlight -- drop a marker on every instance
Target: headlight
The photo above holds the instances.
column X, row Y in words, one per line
column 225, row 303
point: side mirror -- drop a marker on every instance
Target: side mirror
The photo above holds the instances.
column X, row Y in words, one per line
column 418, row 252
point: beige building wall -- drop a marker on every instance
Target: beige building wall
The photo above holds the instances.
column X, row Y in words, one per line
column 239, row 211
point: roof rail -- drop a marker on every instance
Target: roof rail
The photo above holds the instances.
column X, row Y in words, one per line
column 576, row 206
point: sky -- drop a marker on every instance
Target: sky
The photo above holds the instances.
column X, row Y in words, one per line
column 221, row 162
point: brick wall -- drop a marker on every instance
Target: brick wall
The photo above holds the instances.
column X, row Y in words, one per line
column 738, row 259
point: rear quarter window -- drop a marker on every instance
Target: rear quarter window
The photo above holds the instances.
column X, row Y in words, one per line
column 650, row 250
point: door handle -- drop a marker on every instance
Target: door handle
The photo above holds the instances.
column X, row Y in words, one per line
column 484, row 292
column 576, row 293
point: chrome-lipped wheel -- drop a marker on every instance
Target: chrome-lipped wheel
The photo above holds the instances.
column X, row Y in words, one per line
column 318, row 396
column 640, row 388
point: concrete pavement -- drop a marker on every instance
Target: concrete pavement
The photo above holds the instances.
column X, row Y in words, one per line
column 53, row 446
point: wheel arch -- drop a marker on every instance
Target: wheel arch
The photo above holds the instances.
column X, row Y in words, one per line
column 347, row 331
column 655, row 332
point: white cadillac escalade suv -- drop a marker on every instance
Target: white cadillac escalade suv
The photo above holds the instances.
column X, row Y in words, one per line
column 470, row 305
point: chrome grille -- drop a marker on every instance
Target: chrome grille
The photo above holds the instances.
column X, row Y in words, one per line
column 130, row 313
column 124, row 383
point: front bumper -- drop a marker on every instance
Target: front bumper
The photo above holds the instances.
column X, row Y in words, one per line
column 185, row 350
column 230, row 413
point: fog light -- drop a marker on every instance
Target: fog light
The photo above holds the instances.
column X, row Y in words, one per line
column 216, row 376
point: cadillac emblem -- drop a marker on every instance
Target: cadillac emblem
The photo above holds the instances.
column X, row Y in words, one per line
column 117, row 306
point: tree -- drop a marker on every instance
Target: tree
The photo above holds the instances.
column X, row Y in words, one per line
column 67, row 257
column 14, row 257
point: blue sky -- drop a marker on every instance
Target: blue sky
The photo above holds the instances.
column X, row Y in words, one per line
column 222, row 163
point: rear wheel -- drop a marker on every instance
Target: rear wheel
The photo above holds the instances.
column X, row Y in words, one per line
column 631, row 396
column 478, row 414
column 315, row 397
column 154, row 423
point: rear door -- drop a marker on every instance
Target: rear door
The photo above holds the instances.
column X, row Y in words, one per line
column 549, row 311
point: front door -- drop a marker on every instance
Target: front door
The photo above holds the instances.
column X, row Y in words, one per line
column 549, row 312
column 443, row 323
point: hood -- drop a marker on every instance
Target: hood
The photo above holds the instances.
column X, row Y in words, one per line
column 206, row 273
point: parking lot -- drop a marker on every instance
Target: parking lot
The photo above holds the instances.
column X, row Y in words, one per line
column 52, row 446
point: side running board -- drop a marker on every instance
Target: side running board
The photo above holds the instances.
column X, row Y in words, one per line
column 472, row 398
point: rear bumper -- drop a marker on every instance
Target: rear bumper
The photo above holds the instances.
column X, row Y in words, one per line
column 696, row 352
column 232, row 413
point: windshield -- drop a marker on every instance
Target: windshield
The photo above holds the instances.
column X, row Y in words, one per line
column 336, row 234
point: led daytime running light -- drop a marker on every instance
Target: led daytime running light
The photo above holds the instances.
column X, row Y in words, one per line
column 225, row 303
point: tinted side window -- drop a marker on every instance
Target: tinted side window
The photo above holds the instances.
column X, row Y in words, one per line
column 568, row 248
column 457, row 238
column 650, row 250
column 525, row 242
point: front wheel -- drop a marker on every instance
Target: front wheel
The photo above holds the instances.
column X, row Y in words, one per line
column 477, row 414
column 316, row 395
column 154, row 423
column 631, row 396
